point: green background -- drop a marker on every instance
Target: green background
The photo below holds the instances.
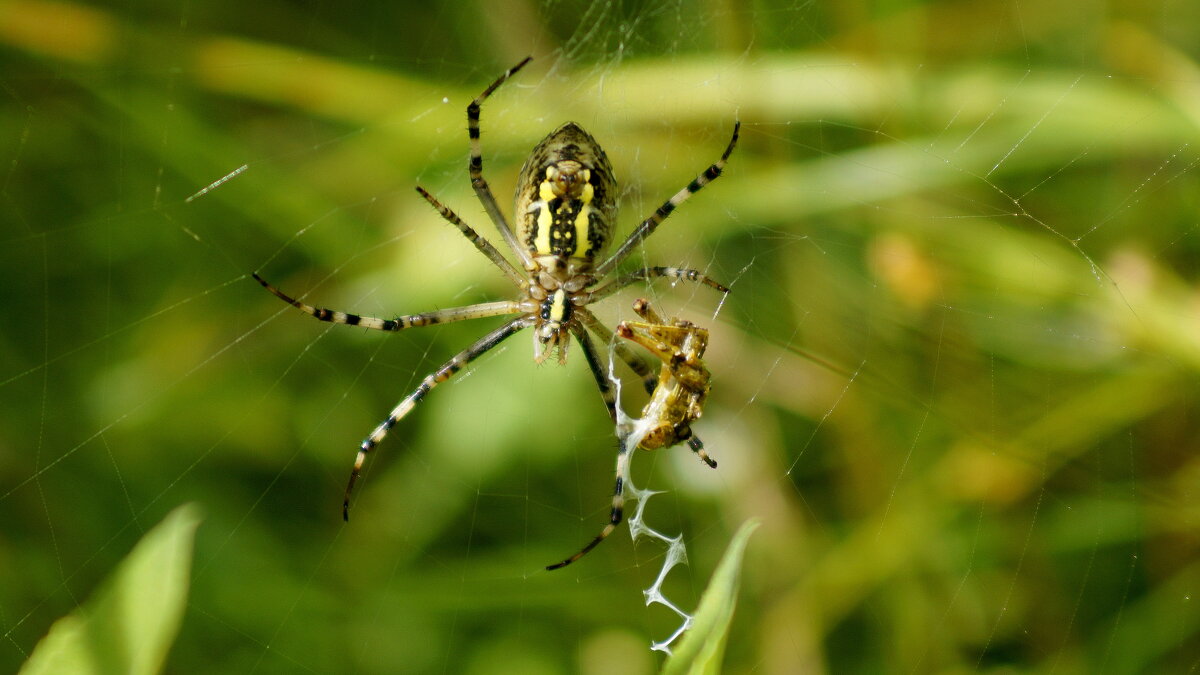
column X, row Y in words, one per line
column 955, row 377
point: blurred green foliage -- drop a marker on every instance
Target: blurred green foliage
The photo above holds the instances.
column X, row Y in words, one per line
column 955, row 379
column 128, row 627
column 701, row 651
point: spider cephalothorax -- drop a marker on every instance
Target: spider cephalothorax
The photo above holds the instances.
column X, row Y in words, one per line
column 565, row 212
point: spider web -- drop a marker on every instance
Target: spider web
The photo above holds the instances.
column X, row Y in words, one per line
column 954, row 378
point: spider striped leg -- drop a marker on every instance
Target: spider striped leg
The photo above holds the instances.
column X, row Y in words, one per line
column 636, row 363
column 589, row 352
column 639, row 366
column 445, row 372
column 597, row 367
column 647, row 273
column 475, row 168
column 477, row 311
column 650, row 224
column 485, row 247
column 618, row 508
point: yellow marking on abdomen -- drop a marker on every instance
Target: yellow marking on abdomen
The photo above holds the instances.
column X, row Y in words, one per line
column 582, row 227
column 582, row 221
column 541, row 243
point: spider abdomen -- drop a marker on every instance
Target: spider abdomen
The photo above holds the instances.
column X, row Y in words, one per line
column 565, row 209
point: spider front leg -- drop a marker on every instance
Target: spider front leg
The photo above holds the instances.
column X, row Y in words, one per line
column 647, row 227
column 479, row 311
column 475, row 168
column 445, row 372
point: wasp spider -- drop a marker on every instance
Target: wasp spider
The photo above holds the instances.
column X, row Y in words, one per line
column 676, row 402
column 565, row 212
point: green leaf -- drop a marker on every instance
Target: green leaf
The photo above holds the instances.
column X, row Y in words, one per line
column 128, row 625
column 703, row 646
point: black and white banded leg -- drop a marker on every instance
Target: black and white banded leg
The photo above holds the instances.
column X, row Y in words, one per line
column 475, row 169
column 599, row 373
column 450, row 315
column 483, row 245
column 618, row 506
column 647, row 227
column 445, row 372
column 606, row 392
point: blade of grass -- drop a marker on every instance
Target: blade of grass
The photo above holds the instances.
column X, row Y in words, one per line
column 703, row 647
column 129, row 624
